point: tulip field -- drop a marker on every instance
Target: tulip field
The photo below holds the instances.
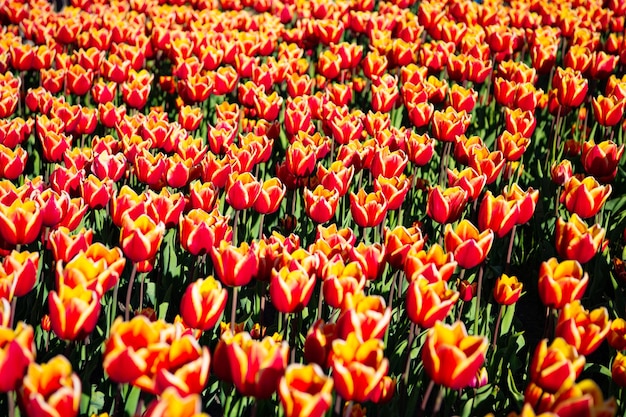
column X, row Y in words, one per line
column 312, row 208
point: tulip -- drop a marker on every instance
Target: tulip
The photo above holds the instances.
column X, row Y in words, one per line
column 20, row 222
column 434, row 265
column 171, row 402
column 318, row 343
column 270, row 196
column 526, row 201
column 337, row 177
column 420, row 148
column 608, row 111
column 235, row 266
column 617, row 334
column 427, row 303
column 497, row 214
column 305, row 391
column 451, row 357
column 470, row 247
column 24, row 266
column 141, row 238
column 358, row 368
column 367, row 317
column 561, row 283
column 340, row 279
column 368, row 210
column 17, row 351
column 571, row 87
column 74, row 312
column 449, row 124
column 583, row 329
column 585, row 198
column 371, row 258
column 561, row 172
column 446, row 206
column 507, row 290
column 203, row 303
column 12, row 162
column 51, row 389
column 601, row 160
column 291, row 288
column 254, row 366
column 96, row 268
column 469, row 180
column 575, row 240
column 556, row 367
column 518, row 121
column 585, row 397
column 388, row 163
column 321, row 203
column 618, row 369
column 399, row 241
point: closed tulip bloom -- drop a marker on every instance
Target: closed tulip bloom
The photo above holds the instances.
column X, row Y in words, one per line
column 399, row 241
column 434, row 264
column 446, row 206
column 583, row 329
column 618, row 369
column 25, row 269
column 601, row 160
column 141, row 238
column 512, row 145
column 270, row 197
column 97, row 268
column 617, row 334
column 196, row 234
column 367, row 317
column 203, row 303
column 203, row 195
column 497, row 214
column 561, row 283
column 235, row 266
column 12, row 162
column 427, row 303
column 318, row 343
column 305, row 391
column 358, row 368
column 51, row 389
column 608, row 111
column 526, row 201
column 368, row 210
column 74, row 312
column 449, row 124
column 20, row 222
column 242, row 190
column 291, row 288
column 575, row 240
column 585, row 198
column 507, row 290
column 470, row 247
column 17, row 351
column 339, row 279
column 394, row 189
column 561, row 172
column 584, row 398
column 388, row 163
column 451, row 357
column 256, row 366
column 556, row 367
column 321, row 203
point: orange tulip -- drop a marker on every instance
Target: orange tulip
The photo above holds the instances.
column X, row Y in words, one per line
column 427, row 303
column 17, row 351
column 368, row 210
column 51, row 389
column 617, row 334
column 556, row 367
column 171, row 402
column 305, row 391
column 399, row 241
column 291, row 288
column 339, row 279
column 318, row 343
column 469, row 180
column 24, row 266
column 372, row 259
column 358, row 368
column 608, row 111
column 469, row 246
column 584, row 398
column 583, row 329
column 367, row 317
column 254, row 366
column 141, row 238
column 434, row 265
column 20, row 222
column 451, row 357
column 497, row 214
column 575, row 240
column 618, row 369
column 321, row 203
column 235, row 266
column 74, row 312
column 561, row 283
column 601, row 160
column 507, row 290
column 585, row 198
column 203, row 303
column 446, row 206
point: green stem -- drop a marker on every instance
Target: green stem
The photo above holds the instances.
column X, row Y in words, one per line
column 496, row 331
column 478, row 291
column 129, row 291
column 233, row 310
